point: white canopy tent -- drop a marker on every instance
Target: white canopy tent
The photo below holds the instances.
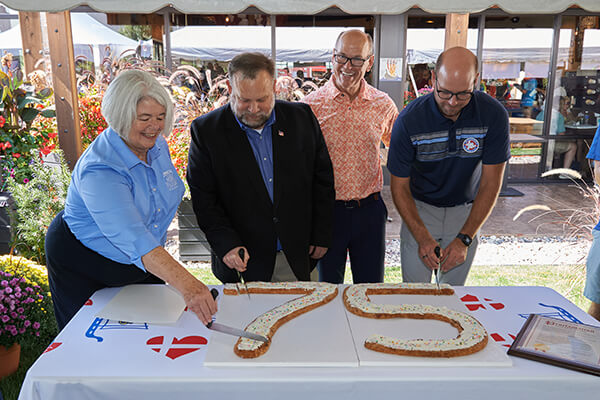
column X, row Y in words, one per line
column 309, row 7
column 91, row 39
column 505, row 49
column 222, row 43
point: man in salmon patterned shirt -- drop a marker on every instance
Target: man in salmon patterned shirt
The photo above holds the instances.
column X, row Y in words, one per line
column 355, row 118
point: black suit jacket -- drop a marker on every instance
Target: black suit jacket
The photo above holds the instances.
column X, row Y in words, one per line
column 231, row 201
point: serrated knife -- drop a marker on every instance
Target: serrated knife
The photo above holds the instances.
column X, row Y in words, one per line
column 229, row 330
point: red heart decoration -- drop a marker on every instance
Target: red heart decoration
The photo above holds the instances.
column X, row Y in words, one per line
column 185, row 345
column 52, row 347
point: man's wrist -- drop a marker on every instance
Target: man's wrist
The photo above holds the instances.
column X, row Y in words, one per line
column 465, row 239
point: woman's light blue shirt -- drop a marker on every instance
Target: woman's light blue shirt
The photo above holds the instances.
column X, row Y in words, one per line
column 118, row 205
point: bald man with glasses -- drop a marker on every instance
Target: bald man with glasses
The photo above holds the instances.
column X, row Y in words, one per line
column 447, row 157
column 355, row 118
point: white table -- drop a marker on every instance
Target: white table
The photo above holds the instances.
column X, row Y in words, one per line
column 91, row 360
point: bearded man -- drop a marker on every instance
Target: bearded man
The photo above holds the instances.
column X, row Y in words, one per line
column 261, row 180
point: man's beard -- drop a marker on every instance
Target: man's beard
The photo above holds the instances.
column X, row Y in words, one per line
column 258, row 119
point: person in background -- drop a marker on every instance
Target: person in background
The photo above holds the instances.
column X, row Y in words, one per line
column 557, row 127
column 355, row 118
column 592, row 281
column 123, row 195
column 528, row 100
column 261, row 180
column 299, row 78
column 447, row 157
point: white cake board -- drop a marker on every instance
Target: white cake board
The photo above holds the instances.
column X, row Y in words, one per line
column 318, row 338
column 491, row 356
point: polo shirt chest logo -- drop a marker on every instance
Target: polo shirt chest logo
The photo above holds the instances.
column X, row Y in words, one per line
column 170, row 180
column 470, row 145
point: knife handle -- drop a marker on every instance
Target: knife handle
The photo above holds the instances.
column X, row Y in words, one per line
column 437, row 251
column 214, row 293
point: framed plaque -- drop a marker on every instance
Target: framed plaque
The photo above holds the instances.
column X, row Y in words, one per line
column 557, row 342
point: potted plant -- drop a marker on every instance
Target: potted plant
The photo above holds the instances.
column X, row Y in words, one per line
column 20, row 313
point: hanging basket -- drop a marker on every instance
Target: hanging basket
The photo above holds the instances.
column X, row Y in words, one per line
column 9, row 359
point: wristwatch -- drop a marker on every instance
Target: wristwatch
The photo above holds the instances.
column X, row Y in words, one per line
column 466, row 239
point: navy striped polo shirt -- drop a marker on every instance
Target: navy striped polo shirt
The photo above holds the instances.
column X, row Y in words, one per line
column 443, row 157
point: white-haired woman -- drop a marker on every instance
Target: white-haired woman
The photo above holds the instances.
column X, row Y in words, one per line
column 123, row 195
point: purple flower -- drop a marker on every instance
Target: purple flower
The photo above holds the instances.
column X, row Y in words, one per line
column 36, row 325
column 5, row 318
column 27, row 323
column 4, row 283
column 22, row 331
column 20, row 310
column 8, row 290
column 25, row 180
column 18, row 294
column 14, row 315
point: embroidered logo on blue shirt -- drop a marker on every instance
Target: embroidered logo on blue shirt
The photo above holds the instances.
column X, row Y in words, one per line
column 170, row 180
column 471, row 145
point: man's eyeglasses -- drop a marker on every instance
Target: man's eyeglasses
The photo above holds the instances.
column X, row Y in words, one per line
column 446, row 95
column 354, row 61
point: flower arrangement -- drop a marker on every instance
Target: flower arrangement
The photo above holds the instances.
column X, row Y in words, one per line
column 90, row 117
column 20, row 142
column 19, row 308
column 34, row 275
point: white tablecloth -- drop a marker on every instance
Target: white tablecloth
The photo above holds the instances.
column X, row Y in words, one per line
column 96, row 359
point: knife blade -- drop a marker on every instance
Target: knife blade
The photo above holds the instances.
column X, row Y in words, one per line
column 437, row 271
column 229, row 330
column 241, row 253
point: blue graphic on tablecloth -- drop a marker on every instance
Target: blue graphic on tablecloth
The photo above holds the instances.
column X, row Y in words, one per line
column 101, row 324
column 560, row 313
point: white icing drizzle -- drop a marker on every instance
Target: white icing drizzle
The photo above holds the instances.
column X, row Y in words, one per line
column 316, row 293
column 472, row 332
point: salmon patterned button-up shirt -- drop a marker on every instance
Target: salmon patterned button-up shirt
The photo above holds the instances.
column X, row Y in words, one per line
column 353, row 131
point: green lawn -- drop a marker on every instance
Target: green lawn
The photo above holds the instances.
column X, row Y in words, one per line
column 568, row 280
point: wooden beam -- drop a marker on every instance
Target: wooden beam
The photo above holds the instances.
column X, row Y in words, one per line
column 60, row 41
column 457, row 26
column 31, row 38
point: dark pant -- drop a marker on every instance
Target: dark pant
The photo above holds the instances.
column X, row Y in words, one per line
column 358, row 228
column 75, row 272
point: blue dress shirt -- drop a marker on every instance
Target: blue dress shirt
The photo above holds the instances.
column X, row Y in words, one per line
column 262, row 147
column 118, row 205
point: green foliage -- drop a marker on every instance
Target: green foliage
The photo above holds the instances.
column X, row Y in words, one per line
column 37, row 203
column 136, row 32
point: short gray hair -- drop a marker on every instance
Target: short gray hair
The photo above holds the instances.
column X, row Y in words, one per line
column 119, row 105
column 248, row 65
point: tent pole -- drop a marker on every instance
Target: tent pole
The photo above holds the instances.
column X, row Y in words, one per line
column 274, row 38
column 60, row 40
column 31, row 37
column 168, row 55
column 480, row 30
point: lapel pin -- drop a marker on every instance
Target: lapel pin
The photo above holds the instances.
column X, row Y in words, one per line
column 280, row 133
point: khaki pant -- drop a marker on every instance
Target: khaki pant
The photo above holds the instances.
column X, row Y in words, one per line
column 443, row 223
column 283, row 272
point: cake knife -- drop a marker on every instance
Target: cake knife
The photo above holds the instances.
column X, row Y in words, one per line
column 229, row 330
column 241, row 278
column 437, row 271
